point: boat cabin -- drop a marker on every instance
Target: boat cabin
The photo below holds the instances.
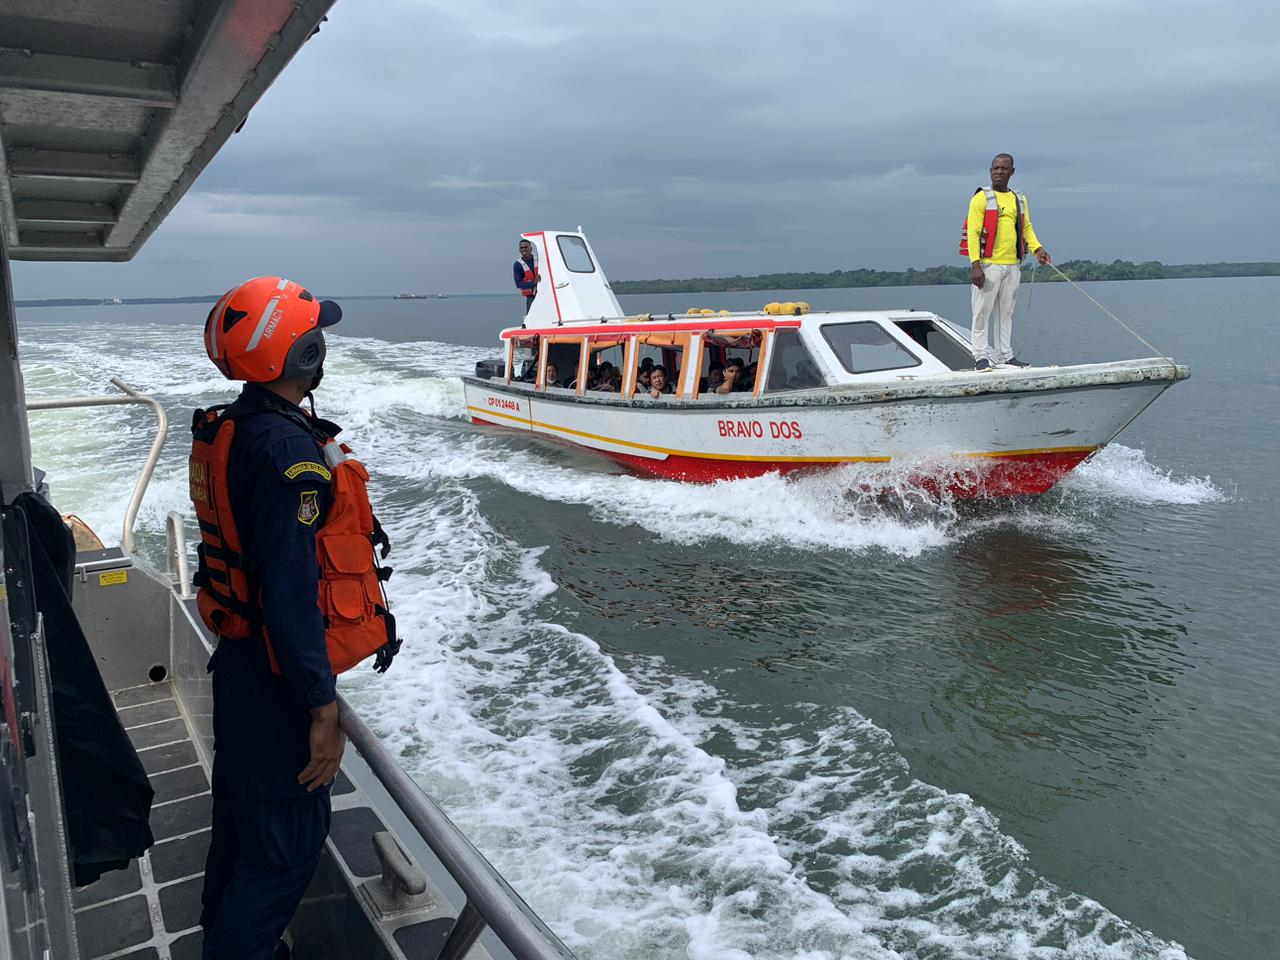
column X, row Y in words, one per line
column 576, row 341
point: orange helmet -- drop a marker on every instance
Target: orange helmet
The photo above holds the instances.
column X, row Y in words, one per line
column 268, row 328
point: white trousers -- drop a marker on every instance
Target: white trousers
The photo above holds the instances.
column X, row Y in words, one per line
column 994, row 301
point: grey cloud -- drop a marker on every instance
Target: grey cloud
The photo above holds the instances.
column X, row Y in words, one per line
column 410, row 141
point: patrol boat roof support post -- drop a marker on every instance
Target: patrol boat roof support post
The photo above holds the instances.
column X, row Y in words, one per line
column 15, row 439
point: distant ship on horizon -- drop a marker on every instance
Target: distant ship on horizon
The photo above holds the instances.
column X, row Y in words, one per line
column 112, row 301
column 410, row 296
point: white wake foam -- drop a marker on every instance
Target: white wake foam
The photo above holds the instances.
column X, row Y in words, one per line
column 594, row 790
column 1124, row 473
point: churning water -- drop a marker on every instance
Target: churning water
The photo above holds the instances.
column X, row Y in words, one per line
column 782, row 718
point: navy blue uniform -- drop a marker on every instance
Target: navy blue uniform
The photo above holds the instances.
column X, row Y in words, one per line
column 268, row 831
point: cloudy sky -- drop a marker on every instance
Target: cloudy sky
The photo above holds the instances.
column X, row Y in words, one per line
column 411, row 140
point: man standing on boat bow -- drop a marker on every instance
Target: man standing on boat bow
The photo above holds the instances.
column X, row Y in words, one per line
column 525, row 272
column 997, row 235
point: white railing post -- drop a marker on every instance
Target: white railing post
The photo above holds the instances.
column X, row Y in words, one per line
column 149, row 466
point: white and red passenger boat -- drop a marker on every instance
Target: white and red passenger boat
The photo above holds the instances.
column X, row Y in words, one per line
column 887, row 387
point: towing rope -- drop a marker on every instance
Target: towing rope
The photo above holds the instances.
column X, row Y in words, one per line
column 1147, row 343
column 1026, row 315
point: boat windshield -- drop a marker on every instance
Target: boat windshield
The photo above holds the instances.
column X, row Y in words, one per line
column 864, row 347
column 791, row 367
column 939, row 342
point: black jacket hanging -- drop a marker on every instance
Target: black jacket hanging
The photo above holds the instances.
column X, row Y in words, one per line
column 105, row 791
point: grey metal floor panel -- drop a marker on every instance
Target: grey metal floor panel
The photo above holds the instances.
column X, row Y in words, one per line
column 152, row 909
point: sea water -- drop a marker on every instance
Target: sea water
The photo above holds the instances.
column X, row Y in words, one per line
column 785, row 718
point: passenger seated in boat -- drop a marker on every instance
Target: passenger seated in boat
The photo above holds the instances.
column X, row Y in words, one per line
column 606, row 378
column 714, row 377
column 749, row 376
column 732, row 377
column 642, row 378
column 658, row 382
column 551, row 379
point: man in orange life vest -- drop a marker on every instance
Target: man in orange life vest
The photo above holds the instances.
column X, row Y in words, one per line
column 525, row 272
column 998, row 234
column 289, row 582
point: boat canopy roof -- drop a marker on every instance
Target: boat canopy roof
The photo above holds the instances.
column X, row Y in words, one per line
column 109, row 111
column 650, row 327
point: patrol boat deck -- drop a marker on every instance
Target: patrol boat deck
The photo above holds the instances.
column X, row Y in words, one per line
column 114, row 917
column 152, row 909
column 370, row 897
column 110, row 112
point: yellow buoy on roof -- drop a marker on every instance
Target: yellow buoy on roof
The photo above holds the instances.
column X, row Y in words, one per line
column 772, row 307
column 725, row 313
column 787, row 309
column 802, row 306
column 693, row 311
column 708, row 313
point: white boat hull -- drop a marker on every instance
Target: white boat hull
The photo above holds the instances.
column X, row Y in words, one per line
column 1010, row 432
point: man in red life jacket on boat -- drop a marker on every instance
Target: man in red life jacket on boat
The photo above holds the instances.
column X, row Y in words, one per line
column 997, row 235
column 525, row 273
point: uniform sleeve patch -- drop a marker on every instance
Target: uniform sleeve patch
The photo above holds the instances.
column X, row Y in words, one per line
column 308, row 466
column 308, row 507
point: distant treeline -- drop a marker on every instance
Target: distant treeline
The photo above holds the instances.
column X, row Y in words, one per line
column 930, row 276
column 212, row 298
column 83, row 302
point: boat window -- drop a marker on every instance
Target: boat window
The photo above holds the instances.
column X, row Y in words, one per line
column 564, row 358
column 722, row 349
column 524, row 363
column 863, row 347
column 607, row 369
column 671, row 359
column 939, row 342
column 576, row 256
column 792, row 367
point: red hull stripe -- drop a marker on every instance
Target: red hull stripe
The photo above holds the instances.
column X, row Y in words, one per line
column 1005, row 476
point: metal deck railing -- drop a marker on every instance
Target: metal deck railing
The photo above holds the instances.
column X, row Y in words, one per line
column 131, row 396
column 490, row 901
